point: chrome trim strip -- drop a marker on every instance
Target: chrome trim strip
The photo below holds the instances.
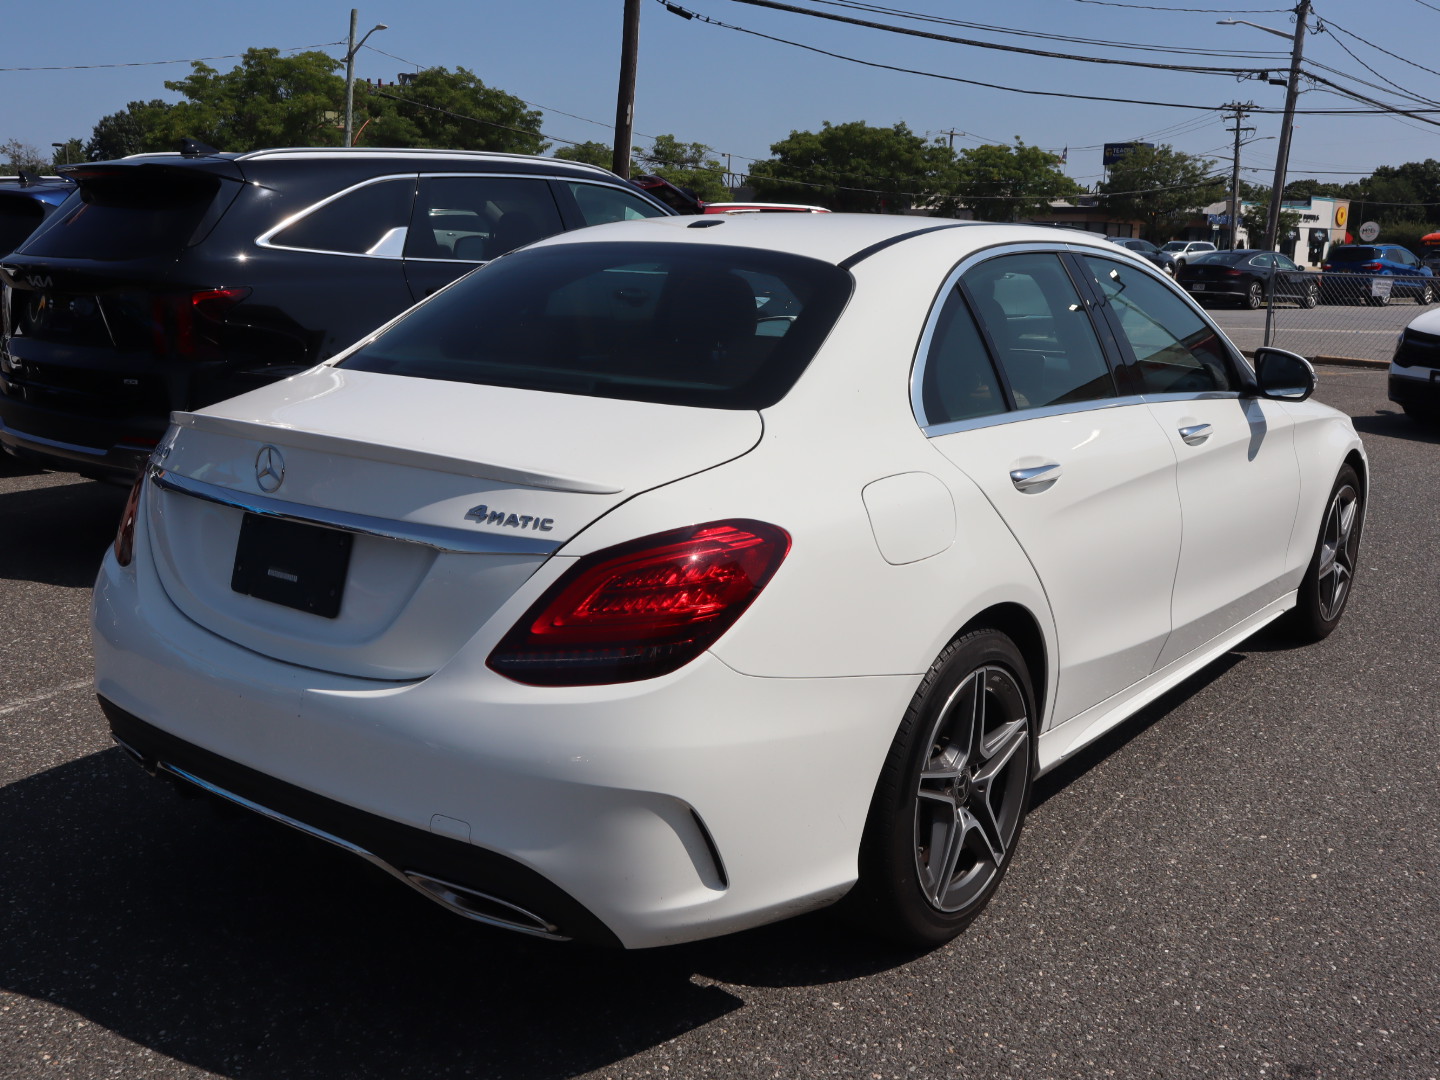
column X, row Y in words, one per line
column 439, row 537
column 1020, row 415
column 421, row 883
column 75, row 448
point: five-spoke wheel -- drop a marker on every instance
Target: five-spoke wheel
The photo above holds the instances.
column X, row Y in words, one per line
column 1326, row 587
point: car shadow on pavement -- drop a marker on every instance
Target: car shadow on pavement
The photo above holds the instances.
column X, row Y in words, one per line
column 56, row 534
column 242, row 948
column 1396, row 425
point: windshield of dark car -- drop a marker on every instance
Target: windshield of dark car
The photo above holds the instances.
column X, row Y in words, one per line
column 681, row 324
column 1220, row 258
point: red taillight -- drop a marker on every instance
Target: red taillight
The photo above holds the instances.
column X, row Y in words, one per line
column 644, row 608
column 178, row 320
column 1234, row 273
column 1372, row 266
column 125, row 534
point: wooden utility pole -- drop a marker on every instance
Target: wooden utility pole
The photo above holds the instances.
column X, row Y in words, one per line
column 625, row 100
column 1282, row 158
column 1240, row 112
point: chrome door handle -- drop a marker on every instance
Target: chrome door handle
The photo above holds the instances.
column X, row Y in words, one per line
column 1195, row 434
column 1032, row 478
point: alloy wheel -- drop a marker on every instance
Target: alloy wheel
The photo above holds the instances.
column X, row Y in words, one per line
column 1339, row 544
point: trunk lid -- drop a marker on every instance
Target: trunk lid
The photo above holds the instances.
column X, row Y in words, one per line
column 451, row 496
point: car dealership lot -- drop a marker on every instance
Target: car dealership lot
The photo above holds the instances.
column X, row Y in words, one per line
column 1242, row 881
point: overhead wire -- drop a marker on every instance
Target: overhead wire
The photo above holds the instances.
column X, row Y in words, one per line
column 159, row 63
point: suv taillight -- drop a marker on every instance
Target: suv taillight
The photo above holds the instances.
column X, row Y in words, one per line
column 644, row 608
column 183, row 324
column 125, row 534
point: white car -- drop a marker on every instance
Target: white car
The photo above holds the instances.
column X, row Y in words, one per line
column 672, row 577
column 1184, row 250
column 1415, row 369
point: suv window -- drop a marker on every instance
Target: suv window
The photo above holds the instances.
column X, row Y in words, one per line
column 670, row 323
column 600, row 203
column 1175, row 350
column 960, row 382
column 362, row 221
column 1040, row 330
column 479, row 218
column 129, row 213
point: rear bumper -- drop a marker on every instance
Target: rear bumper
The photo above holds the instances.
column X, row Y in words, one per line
column 106, row 451
column 672, row 809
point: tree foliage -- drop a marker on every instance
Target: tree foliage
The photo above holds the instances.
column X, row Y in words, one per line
column 687, row 165
column 1162, row 187
column 1257, row 215
column 265, row 100
column 454, row 110
column 591, row 153
column 19, row 155
column 142, row 127
column 856, row 167
column 1003, row 183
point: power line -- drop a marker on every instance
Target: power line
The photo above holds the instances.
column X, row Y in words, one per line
column 158, row 63
column 1330, row 24
column 1202, row 11
column 775, row 5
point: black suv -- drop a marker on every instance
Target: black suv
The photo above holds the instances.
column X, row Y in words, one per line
column 173, row 281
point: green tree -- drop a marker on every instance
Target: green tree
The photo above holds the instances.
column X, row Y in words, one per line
column 265, row 100
column 19, row 155
column 451, row 110
column 686, row 165
column 70, row 152
column 1257, row 215
column 592, row 153
column 1003, row 183
column 859, row 168
column 1162, row 187
column 142, row 127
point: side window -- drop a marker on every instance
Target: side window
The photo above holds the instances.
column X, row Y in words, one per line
column 1176, row 351
column 1285, row 264
column 1263, row 260
column 369, row 220
column 479, row 218
column 600, row 203
column 1044, row 342
column 959, row 381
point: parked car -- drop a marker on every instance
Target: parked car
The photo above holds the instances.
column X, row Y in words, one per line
column 25, row 201
column 762, row 208
column 1184, row 250
column 175, row 280
column 1415, row 369
column 1146, row 250
column 680, row 200
column 1376, row 274
column 589, row 605
column 1246, row 277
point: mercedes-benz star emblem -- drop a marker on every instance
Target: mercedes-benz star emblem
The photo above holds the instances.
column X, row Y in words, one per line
column 269, row 469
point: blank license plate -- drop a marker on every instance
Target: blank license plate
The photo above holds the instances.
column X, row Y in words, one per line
column 285, row 562
column 1197, row 288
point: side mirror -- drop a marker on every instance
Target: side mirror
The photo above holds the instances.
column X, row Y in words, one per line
column 1284, row 376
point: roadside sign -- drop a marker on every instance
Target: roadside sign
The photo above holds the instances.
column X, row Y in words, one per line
column 1369, row 231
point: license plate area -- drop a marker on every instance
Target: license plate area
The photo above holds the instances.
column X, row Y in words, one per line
column 1197, row 287
column 289, row 563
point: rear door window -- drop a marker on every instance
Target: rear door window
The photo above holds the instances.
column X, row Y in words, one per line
column 599, row 203
column 367, row 220
column 478, row 218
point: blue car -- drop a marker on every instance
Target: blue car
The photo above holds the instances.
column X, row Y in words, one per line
column 1354, row 272
column 26, row 201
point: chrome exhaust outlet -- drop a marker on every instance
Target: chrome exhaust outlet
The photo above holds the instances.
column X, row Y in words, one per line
column 140, row 759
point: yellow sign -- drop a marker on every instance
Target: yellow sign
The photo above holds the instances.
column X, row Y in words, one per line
column 1342, row 215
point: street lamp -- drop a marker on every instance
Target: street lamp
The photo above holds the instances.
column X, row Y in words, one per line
column 64, row 149
column 1292, row 89
column 350, row 71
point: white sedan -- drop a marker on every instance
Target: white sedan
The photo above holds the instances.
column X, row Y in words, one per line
column 673, row 577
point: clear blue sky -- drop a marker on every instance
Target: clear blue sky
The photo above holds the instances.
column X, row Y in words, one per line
column 739, row 93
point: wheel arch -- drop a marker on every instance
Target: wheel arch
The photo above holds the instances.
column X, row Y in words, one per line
column 1017, row 623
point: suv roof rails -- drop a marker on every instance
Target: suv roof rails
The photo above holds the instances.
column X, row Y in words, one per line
column 420, row 151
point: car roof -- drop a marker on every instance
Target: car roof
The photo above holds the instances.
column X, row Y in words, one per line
column 842, row 239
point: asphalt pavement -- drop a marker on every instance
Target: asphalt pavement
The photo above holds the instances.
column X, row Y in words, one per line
column 1241, row 882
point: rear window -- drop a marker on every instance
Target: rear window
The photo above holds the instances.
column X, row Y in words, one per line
column 18, row 218
column 1220, row 258
column 129, row 213
column 679, row 324
column 1354, row 254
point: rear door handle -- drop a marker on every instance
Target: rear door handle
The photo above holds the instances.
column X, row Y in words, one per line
column 1035, row 477
column 1195, row 434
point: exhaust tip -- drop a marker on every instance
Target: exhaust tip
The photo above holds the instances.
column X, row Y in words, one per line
column 482, row 907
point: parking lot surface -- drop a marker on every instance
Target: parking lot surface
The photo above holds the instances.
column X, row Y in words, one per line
column 1241, row 882
column 1349, row 330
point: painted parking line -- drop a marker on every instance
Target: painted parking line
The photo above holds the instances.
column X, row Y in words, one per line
column 44, row 695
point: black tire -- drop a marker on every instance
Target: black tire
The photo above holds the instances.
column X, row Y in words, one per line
column 1325, row 589
column 1255, row 296
column 1310, row 297
column 957, row 777
column 1422, row 415
column 1379, row 301
column 1427, row 295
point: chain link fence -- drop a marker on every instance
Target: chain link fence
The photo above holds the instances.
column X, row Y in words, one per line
column 1345, row 316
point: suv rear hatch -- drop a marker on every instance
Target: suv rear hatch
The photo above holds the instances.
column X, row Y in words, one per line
column 415, row 507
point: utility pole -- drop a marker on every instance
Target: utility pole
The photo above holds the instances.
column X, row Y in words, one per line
column 1282, row 157
column 1239, row 112
column 350, row 72
column 625, row 100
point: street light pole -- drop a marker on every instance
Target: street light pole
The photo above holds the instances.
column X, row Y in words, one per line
column 1292, row 91
column 350, row 71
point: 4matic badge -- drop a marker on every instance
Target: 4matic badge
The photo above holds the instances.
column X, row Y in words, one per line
column 485, row 515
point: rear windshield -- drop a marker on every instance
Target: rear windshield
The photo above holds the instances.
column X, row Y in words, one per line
column 1220, row 258
column 1354, row 254
column 679, row 324
column 18, row 218
column 128, row 213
